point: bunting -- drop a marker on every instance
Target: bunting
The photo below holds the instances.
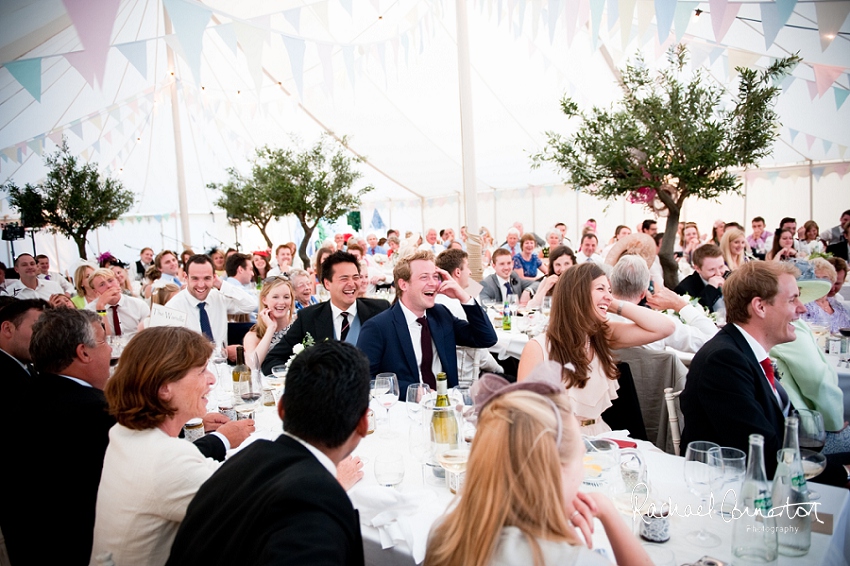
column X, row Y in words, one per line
column 723, row 13
column 28, row 74
column 190, row 21
column 830, row 16
column 825, row 75
column 664, row 11
column 774, row 16
column 93, row 20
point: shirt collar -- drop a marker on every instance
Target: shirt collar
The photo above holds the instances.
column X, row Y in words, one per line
column 320, row 456
column 195, row 302
column 408, row 314
column 80, row 381
column 757, row 348
column 352, row 310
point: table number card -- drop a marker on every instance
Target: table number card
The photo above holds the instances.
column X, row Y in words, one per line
column 164, row 316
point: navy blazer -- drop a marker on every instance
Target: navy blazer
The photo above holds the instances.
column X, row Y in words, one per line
column 692, row 285
column 386, row 341
column 727, row 398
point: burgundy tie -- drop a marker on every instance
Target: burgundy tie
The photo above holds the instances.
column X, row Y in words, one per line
column 768, row 371
column 427, row 354
column 116, row 324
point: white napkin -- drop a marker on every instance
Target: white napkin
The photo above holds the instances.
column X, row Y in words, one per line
column 399, row 516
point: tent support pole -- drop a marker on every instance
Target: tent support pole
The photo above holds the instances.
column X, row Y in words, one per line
column 467, row 139
column 178, row 145
column 811, row 192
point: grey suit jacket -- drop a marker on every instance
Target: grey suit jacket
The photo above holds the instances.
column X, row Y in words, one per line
column 492, row 290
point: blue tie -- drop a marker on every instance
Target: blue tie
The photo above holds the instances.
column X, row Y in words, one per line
column 206, row 329
column 508, row 289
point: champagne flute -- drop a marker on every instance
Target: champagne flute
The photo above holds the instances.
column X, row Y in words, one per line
column 703, row 475
column 734, row 471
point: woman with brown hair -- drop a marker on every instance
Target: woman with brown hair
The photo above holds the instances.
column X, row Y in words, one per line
column 521, row 503
column 561, row 258
column 580, row 338
column 276, row 314
column 149, row 474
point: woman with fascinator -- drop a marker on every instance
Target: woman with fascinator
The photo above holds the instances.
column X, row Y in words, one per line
column 521, row 503
column 581, row 338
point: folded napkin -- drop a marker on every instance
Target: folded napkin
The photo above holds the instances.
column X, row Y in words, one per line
column 399, row 516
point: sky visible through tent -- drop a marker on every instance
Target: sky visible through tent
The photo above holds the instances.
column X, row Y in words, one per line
column 383, row 73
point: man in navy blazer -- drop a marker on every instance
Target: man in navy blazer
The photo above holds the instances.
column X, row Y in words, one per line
column 416, row 338
column 731, row 391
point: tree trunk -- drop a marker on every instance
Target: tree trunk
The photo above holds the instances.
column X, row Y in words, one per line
column 263, row 232
column 80, row 239
column 302, row 249
column 669, row 265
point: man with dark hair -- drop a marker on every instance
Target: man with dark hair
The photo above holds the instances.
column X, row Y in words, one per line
column 706, row 282
column 841, row 249
column 143, row 263
column 731, row 391
column 835, row 234
column 16, row 321
column 587, row 251
column 497, row 286
column 416, row 338
column 760, row 240
column 45, row 273
column 166, row 261
column 240, row 275
column 297, row 512
column 649, row 226
column 29, row 286
column 207, row 301
column 340, row 318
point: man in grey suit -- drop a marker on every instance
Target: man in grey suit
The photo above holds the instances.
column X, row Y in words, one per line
column 505, row 281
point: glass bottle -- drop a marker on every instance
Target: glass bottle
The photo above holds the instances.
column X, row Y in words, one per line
column 506, row 314
column 443, row 421
column 240, row 372
column 754, row 538
column 791, row 496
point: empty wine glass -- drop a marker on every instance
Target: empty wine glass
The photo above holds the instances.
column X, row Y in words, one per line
column 389, row 469
column 218, row 358
column 415, row 393
column 389, row 396
column 734, row 471
column 703, row 475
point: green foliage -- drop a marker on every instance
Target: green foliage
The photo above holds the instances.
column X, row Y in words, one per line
column 73, row 200
column 669, row 138
column 248, row 200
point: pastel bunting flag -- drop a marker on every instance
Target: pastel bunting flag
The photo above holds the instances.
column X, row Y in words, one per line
column 774, row 16
column 93, row 20
column 810, row 140
column 626, row 8
column 813, row 89
column 251, row 40
column 596, row 9
column 190, row 21
column 682, row 17
column 723, row 13
column 825, row 75
column 136, row 53
column 295, row 50
column 664, row 11
column 293, row 16
column 228, row 36
column 830, row 16
column 793, row 134
column 28, row 74
column 840, row 96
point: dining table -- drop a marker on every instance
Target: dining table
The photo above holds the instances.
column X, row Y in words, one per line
column 395, row 522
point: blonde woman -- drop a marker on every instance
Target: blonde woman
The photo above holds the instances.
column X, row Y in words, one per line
column 521, row 503
column 85, row 294
column 277, row 312
column 123, row 280
column 735, row 249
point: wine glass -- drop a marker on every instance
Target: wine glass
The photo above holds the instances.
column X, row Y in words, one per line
column 814, row 463
column 734, row 471
column 513, row 304
column 811, row 433
column 389, row 469
column 218, row 358
column 390, row 396
column 415, row 393
column 703, row 475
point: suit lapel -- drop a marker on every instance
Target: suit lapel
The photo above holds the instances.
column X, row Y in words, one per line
column 325, row 323
column 755, row 366
column 400, row 326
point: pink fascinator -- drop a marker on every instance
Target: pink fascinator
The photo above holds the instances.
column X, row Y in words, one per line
column 545, row 379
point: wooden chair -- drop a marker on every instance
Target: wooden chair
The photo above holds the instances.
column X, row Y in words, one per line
column 671, row 397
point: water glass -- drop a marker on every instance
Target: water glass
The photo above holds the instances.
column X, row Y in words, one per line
column 703, row 476
column 734, row 471
column 389, row 469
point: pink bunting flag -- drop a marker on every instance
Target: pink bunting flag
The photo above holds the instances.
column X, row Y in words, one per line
column 810, row 140
column 723, row 13
column 93, row 20
column 825, row 75
column 813, row 89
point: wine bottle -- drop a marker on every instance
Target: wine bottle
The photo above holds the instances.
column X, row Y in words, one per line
column 443, row 422
column 793, row 521
column 240, row 373
column 754, row 539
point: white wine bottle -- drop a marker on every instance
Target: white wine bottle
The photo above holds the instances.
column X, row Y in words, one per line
column 443, row 422
column 240, row 372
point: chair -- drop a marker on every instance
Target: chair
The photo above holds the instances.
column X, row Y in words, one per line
column 625, row 412
column 673, row 413
column 653, row 371
column 236, row 332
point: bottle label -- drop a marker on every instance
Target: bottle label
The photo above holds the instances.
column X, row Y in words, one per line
column 763, row 502
column 798, row 481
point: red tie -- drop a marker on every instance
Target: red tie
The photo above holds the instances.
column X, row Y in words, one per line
column 116, row 324
column 768, row 371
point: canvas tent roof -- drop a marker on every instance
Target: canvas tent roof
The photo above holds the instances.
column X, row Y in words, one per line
column 383, row 73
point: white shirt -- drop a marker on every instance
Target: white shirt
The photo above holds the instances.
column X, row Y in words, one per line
column 503, row 289
column 56, row 277
column 689, row 336
column 43, row 290
column 436, row 247
column 415, row 331
column 760, row 354
column 320, row 456
column 219, row 303
column 131, row 311
column 581, row 258
column 337, row 318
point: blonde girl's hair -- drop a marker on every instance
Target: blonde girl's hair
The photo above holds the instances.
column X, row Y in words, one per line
column 270, row 284
column 729, row 236
column 163, row 294
column 513, row 478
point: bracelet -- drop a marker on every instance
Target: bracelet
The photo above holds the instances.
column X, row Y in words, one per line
column 620, row 308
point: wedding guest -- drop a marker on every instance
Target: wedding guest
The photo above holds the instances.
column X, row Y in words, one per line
column 275, row 316
column 580, row 337
column 761, row 239
column 717, row 231
column 561, row 258
column 734, row 247
column 841, row 248
column 521, row 502
column 526, row 263
column 809, row 243
column 261, row 265
column 218, row 259
column 826, row 310
column 85, row 294
column 836, row 233
column 783, row 246
column 123, row 280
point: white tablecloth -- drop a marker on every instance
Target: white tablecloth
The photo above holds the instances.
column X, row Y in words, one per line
column 665, row 474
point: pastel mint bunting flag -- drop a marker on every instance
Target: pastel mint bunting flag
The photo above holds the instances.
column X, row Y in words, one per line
column 136, row 53
column 190, row 21
column 28, row 73
column 774, row 16
column 682, row 17
column 840, row 96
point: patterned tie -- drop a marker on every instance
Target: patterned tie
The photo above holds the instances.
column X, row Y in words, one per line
column 206, row 329
column 768, row 371
column 427, row 354
column 116, row 324
column 346, row 326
